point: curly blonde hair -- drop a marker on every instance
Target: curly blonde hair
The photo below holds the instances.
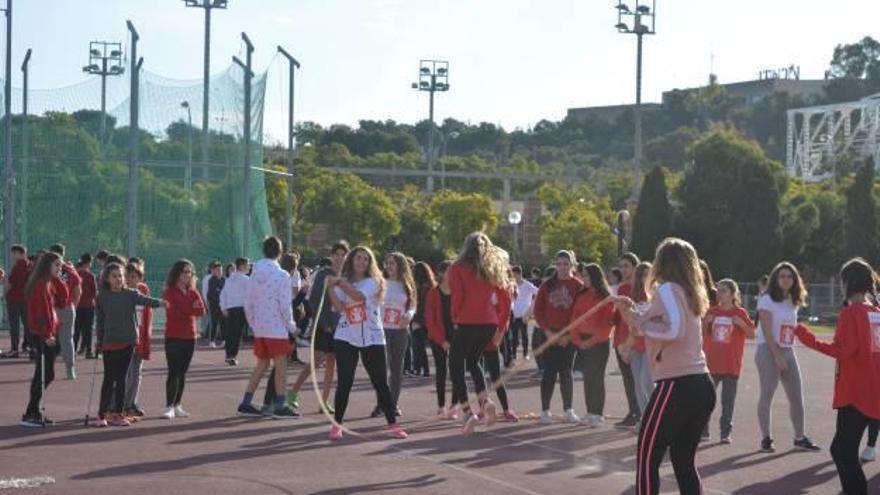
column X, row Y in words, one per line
column 489, row 261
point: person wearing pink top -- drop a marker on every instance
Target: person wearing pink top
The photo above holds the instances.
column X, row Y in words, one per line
column 683, row 397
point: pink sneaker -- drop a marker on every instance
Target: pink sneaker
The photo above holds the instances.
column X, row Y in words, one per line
column 510, row 416
column 397, row 431
column 119, row 420
column 470, row 424
column 335, row 433
column 100, row 423
column 453, row 413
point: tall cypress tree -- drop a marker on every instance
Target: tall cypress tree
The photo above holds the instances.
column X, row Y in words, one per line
column 861, row 214
column 653, row 219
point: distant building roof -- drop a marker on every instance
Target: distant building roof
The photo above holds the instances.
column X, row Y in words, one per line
column 753, row 91
column 607, row 112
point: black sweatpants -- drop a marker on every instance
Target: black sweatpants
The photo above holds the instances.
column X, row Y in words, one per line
column 82, row 329
column 629, row 385
column 215, row 326
column 17, row 315
column 420, row 351
column 48, row 371
column 178, row 353
column 113, row 387
column 441, row 365
column 468, row 343
column 519, row 331
column 851, row 424
column 595, row 359
column 233, row 328
column 873, row 428
column 674, row 419
column 558, row 361
column 374, row 362
column 493, row 366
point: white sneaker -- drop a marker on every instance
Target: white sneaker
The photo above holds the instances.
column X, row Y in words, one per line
column 180, row 413
column 546, row 418
column 168, row 414
column 570, row 417
column 869, row 454
column 592, row 420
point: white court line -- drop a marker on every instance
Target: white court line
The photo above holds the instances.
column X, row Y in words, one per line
column 19, row 483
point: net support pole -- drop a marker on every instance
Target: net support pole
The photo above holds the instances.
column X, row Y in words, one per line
column 25, row 144
column 293, row 64
column 132, row 220
column 246, row 182
column 9, row 224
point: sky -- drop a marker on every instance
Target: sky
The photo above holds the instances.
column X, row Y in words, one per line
column 511, row 62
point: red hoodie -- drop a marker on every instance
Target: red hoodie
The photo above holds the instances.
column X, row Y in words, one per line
column 434, row 317
column 621, row 329
column 71, row 279
column 723, row 341
column 856, row 347
column 17, row 282
column 145, row 332
column 554, row 303
column 472, row 302
column 41, row 316
column 180, row 315
column 597, row 328
column 89, row 289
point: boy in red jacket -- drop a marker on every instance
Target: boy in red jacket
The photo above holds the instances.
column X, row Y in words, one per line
column 43, row 287
column 134, row 277
column 16, row 305
column 856, row 347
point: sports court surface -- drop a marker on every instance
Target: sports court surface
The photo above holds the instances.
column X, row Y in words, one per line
column 215, row 452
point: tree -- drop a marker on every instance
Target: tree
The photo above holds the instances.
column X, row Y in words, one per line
column 653, row 218
column 861, row 214
column 579, row 228
column 416, row 237
column 730, row 205
column 455, row 215
column 854, row 70
column 670, row 149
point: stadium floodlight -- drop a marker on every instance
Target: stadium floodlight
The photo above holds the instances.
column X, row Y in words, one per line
column 433, row 77
column 642, row 24
column 105, row 59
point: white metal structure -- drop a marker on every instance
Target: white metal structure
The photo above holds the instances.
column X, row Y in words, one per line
column 817, row 137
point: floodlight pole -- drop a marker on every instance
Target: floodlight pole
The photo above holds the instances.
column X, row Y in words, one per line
column 131, row 238
column 9, row 224
column 25, row 144
column 246, row 183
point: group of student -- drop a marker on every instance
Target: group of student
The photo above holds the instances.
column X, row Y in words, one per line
column 676, row 336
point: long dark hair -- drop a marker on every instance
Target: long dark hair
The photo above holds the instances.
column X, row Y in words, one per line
column 798, row 292
column 857, row 277
column 42, row 272
column 177, row 270
column 372, row 268
column 597, row 279
column 404, row 276
column 112, row 267
column 640, row 281
column 424, row 276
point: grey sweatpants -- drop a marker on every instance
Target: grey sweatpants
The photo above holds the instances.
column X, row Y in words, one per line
column 133, row 381
column 728, row 400
column 396, row 341
column 770, row 377
column 66, row 318
column 641, row 370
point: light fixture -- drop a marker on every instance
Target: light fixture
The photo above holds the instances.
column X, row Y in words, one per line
column 622, row 7
column 184, row 104
column 425, row 84
column 441, row 71
column 622, row 27
column 425, row 70
column 95, row 52
column 415, row 85
column 643, row 9
column 116, row 53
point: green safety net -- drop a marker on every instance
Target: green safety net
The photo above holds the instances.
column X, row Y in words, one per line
column 72, row 183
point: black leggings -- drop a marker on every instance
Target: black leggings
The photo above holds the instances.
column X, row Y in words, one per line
column 674, row 419
column 178, row 353
column 558, row 360
column 851, row 424
column 82, row 328
column 113, row 387
column 629, row 385
column 419, row 350
column 468, row 343
column 215, row 327
column 441, row 365
column 595, row 359
column 873, row 428
column 519, row 331
column 493, row 366
column 374, row 362
column 49, row 352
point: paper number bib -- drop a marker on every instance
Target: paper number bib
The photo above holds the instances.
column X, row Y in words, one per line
column 874, row 320
column 392, row 317
column 722, row 329
column 356, row 313
column 786, row 334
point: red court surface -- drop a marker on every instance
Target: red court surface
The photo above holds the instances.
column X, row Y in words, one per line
column 215, row 452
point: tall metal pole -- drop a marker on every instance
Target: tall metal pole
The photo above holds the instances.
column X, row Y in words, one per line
column 293, row 64
column 10, row 172
column 638, row 117
column 103, row 102
column 246, row 183
column 206, row 134
column 189, row 155
column 25, row 145
column 131, row 238
column 431, row 135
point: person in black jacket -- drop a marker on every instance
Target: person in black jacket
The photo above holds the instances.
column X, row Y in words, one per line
column 215, row 286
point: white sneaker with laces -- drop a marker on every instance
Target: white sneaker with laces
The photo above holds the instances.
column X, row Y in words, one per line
column 570, row 417
column 869, row 454
column 546, row 418
column 168, row 414
column 180, row 413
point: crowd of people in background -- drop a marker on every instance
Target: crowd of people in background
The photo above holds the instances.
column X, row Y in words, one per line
column 676, row 336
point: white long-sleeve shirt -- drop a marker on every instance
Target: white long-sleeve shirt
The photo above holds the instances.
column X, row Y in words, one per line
column 234, row 291
column 267, row 302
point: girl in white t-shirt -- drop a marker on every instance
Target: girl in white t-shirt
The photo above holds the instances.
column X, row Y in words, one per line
column 358, row 295
column 775, row 356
